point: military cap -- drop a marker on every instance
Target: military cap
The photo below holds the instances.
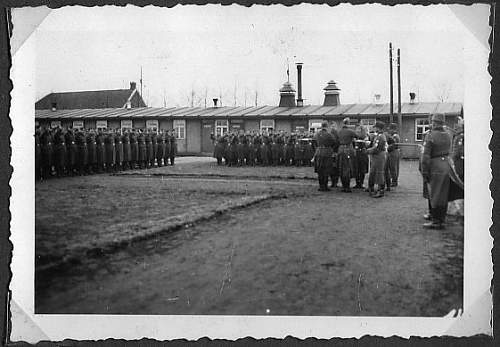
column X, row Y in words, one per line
column 324, row 124
column 346, row 120
column 379, row 124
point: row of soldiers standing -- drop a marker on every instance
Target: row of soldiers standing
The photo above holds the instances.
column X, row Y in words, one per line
column 62, row 152
column 238, row 149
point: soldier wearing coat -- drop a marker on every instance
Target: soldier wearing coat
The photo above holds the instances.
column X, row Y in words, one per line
column 298, row 151
column 141, row 142
column 134, row 149
column 308, row 153
column 160, row 141
column 335, row 171
column 166, row 153
column 378, row 155
column 393, row 154
column 119, row 154
column 265, row 149
column 100, row 151
column 346, row 154
column 289, row 150
column 59, row 152
column 149, row 148
column 82, row 154
column 46, row 153
column 219, row 148
column 323, row 157
column 436, row 171
column 109, row 145
column 92, row 152
column 71, row 151
column 126, row 150
column 360, row 161
column 154, row 143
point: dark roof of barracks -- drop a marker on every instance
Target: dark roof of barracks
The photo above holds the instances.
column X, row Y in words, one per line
column 96, row 99
column 348, row 110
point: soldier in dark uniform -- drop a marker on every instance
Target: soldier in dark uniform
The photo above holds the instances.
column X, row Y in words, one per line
column 109, row 145
column 160, row 141
column 240, row 149
column 141, row 142
column 218, row 148
column 392, row 163
column 149, row 148
column 46, row 153
column 436, row 170
column 275, row 150
column 335, row 170
column 100, row 151
column 265, row 149
column 173, row 148
column 458, row 150
column 82, row 154
column 59, row 152
column 250, row 151
column 71, row 151
column 233, row 150
column 378, row 153
column 119, row 154
column 289, row 150
column 92, row 152
column 281, row 148
column 154, row 143
column 309, row 151
column 126, row 150
column 346, row 154
column 323, row 157
column 298, row 151
column 134, row 149
column 38, row 155
column 360, row 161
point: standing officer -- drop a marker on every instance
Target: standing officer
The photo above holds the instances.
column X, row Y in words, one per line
column 126, row 150
column 92, row 151
column 323, row 157
column 298, row 151
column 360, row 161
column 134, row 149
column 99, row 139
column 71, row 151
column 81, row 144
column 109, row 144
column 154, row 143
column 346, row 154
column 436, row 170
column 46, row 152
column 59, row 152
column 392, row 166
column 141, row 142
column 378, row 158
column 119, row 154
column 149, row 148
column 166, row 153
column 160, row 150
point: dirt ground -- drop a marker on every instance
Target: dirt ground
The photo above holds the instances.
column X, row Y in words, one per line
column 201, row 239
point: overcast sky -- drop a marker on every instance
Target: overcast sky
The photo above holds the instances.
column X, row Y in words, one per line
column 237, row 51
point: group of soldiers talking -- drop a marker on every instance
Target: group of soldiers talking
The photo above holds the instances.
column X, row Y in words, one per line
column 68, row 152
column 263, row 148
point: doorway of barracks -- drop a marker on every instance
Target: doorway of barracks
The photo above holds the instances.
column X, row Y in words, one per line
column 207, row 129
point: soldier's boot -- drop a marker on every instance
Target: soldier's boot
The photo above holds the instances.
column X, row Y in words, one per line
column 379, row 193
column 335, row 180
column 370, row 190
column 437, row 221
column 428, row 215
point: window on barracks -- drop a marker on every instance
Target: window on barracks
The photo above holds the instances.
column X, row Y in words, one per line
column 180, row 129
column 221, row 127
column 267, row 125
column 314, row 125
column 421, row 126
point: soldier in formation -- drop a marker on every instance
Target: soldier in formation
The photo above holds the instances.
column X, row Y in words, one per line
column 264, row 148
column 68, row 152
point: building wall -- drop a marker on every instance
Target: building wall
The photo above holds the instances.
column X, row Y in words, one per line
column 284, row 125
column 301, row 124
column 89, row 123
column 165, row 124
column 114, row 123
column 252, row 125
column 193, row 136
column 139, row 123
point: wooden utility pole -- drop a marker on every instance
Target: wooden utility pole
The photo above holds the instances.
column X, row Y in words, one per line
column 391, row 92
column 400, row 119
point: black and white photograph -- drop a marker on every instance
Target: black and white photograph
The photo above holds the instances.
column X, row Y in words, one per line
column 246, row 164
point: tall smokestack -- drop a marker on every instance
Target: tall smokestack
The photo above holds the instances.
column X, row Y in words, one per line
column 332, row 97
column 287, row 95
column 300, row 102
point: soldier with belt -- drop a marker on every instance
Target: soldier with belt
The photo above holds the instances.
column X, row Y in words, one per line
column 119, row 153
column 92, row 152
column 218, row 148
column 100, row 151
column 71, row 151
column 264, row 149
column 173, row 148
column 298, row 151
column 134, row 149
column 360, row 161
column 392, row 166
column 126, row 150
column 289, row 149
column 166, row 153
column 59, row 152
column 154, row 143
column 335, row 170
column 378, row 156
column 240, row 149
column 109, row 145
column 309, row 151
column 46, row 152
column 323, row 157
column 436, row 171
column 81, row 158
column 249, row 150
column 149, row 148
column 141, row 142
column 160, row 149
column 346, row 154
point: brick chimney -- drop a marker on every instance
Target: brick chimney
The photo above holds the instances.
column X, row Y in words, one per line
column 287, row 95
column 300, row 101
column 133, row 85
column 332, row 97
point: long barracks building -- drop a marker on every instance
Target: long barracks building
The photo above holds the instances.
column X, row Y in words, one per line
column 193, row 126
